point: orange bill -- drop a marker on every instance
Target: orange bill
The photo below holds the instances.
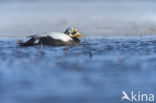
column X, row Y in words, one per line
column 79, row 36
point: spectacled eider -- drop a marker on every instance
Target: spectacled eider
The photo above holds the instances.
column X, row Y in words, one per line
column 69, row 37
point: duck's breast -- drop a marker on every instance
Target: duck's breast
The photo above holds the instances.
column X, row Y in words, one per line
column 60, row 36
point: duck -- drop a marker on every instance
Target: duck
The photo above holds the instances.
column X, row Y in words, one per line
column 69, row 37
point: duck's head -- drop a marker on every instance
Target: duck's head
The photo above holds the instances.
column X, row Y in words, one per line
column 72, row 32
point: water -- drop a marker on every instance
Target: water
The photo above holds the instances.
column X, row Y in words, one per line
column 118, row 51
column 96, row 71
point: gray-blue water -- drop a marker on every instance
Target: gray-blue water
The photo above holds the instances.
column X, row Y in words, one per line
column 96, row 71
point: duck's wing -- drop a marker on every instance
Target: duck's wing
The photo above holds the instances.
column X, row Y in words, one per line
column 29, row 42
column 32, row 40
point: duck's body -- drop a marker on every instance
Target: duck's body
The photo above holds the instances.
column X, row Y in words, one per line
column 54, row 39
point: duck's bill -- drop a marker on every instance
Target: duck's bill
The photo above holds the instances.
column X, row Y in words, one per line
column 79, row 36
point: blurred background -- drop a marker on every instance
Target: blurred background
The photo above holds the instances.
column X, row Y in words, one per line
column 97, row 71
column 20, row 18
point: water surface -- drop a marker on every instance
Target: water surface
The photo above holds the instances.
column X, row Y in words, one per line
column 96, row 71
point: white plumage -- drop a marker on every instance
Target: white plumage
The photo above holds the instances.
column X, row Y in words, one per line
column 60, row 36
column 55, row 35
